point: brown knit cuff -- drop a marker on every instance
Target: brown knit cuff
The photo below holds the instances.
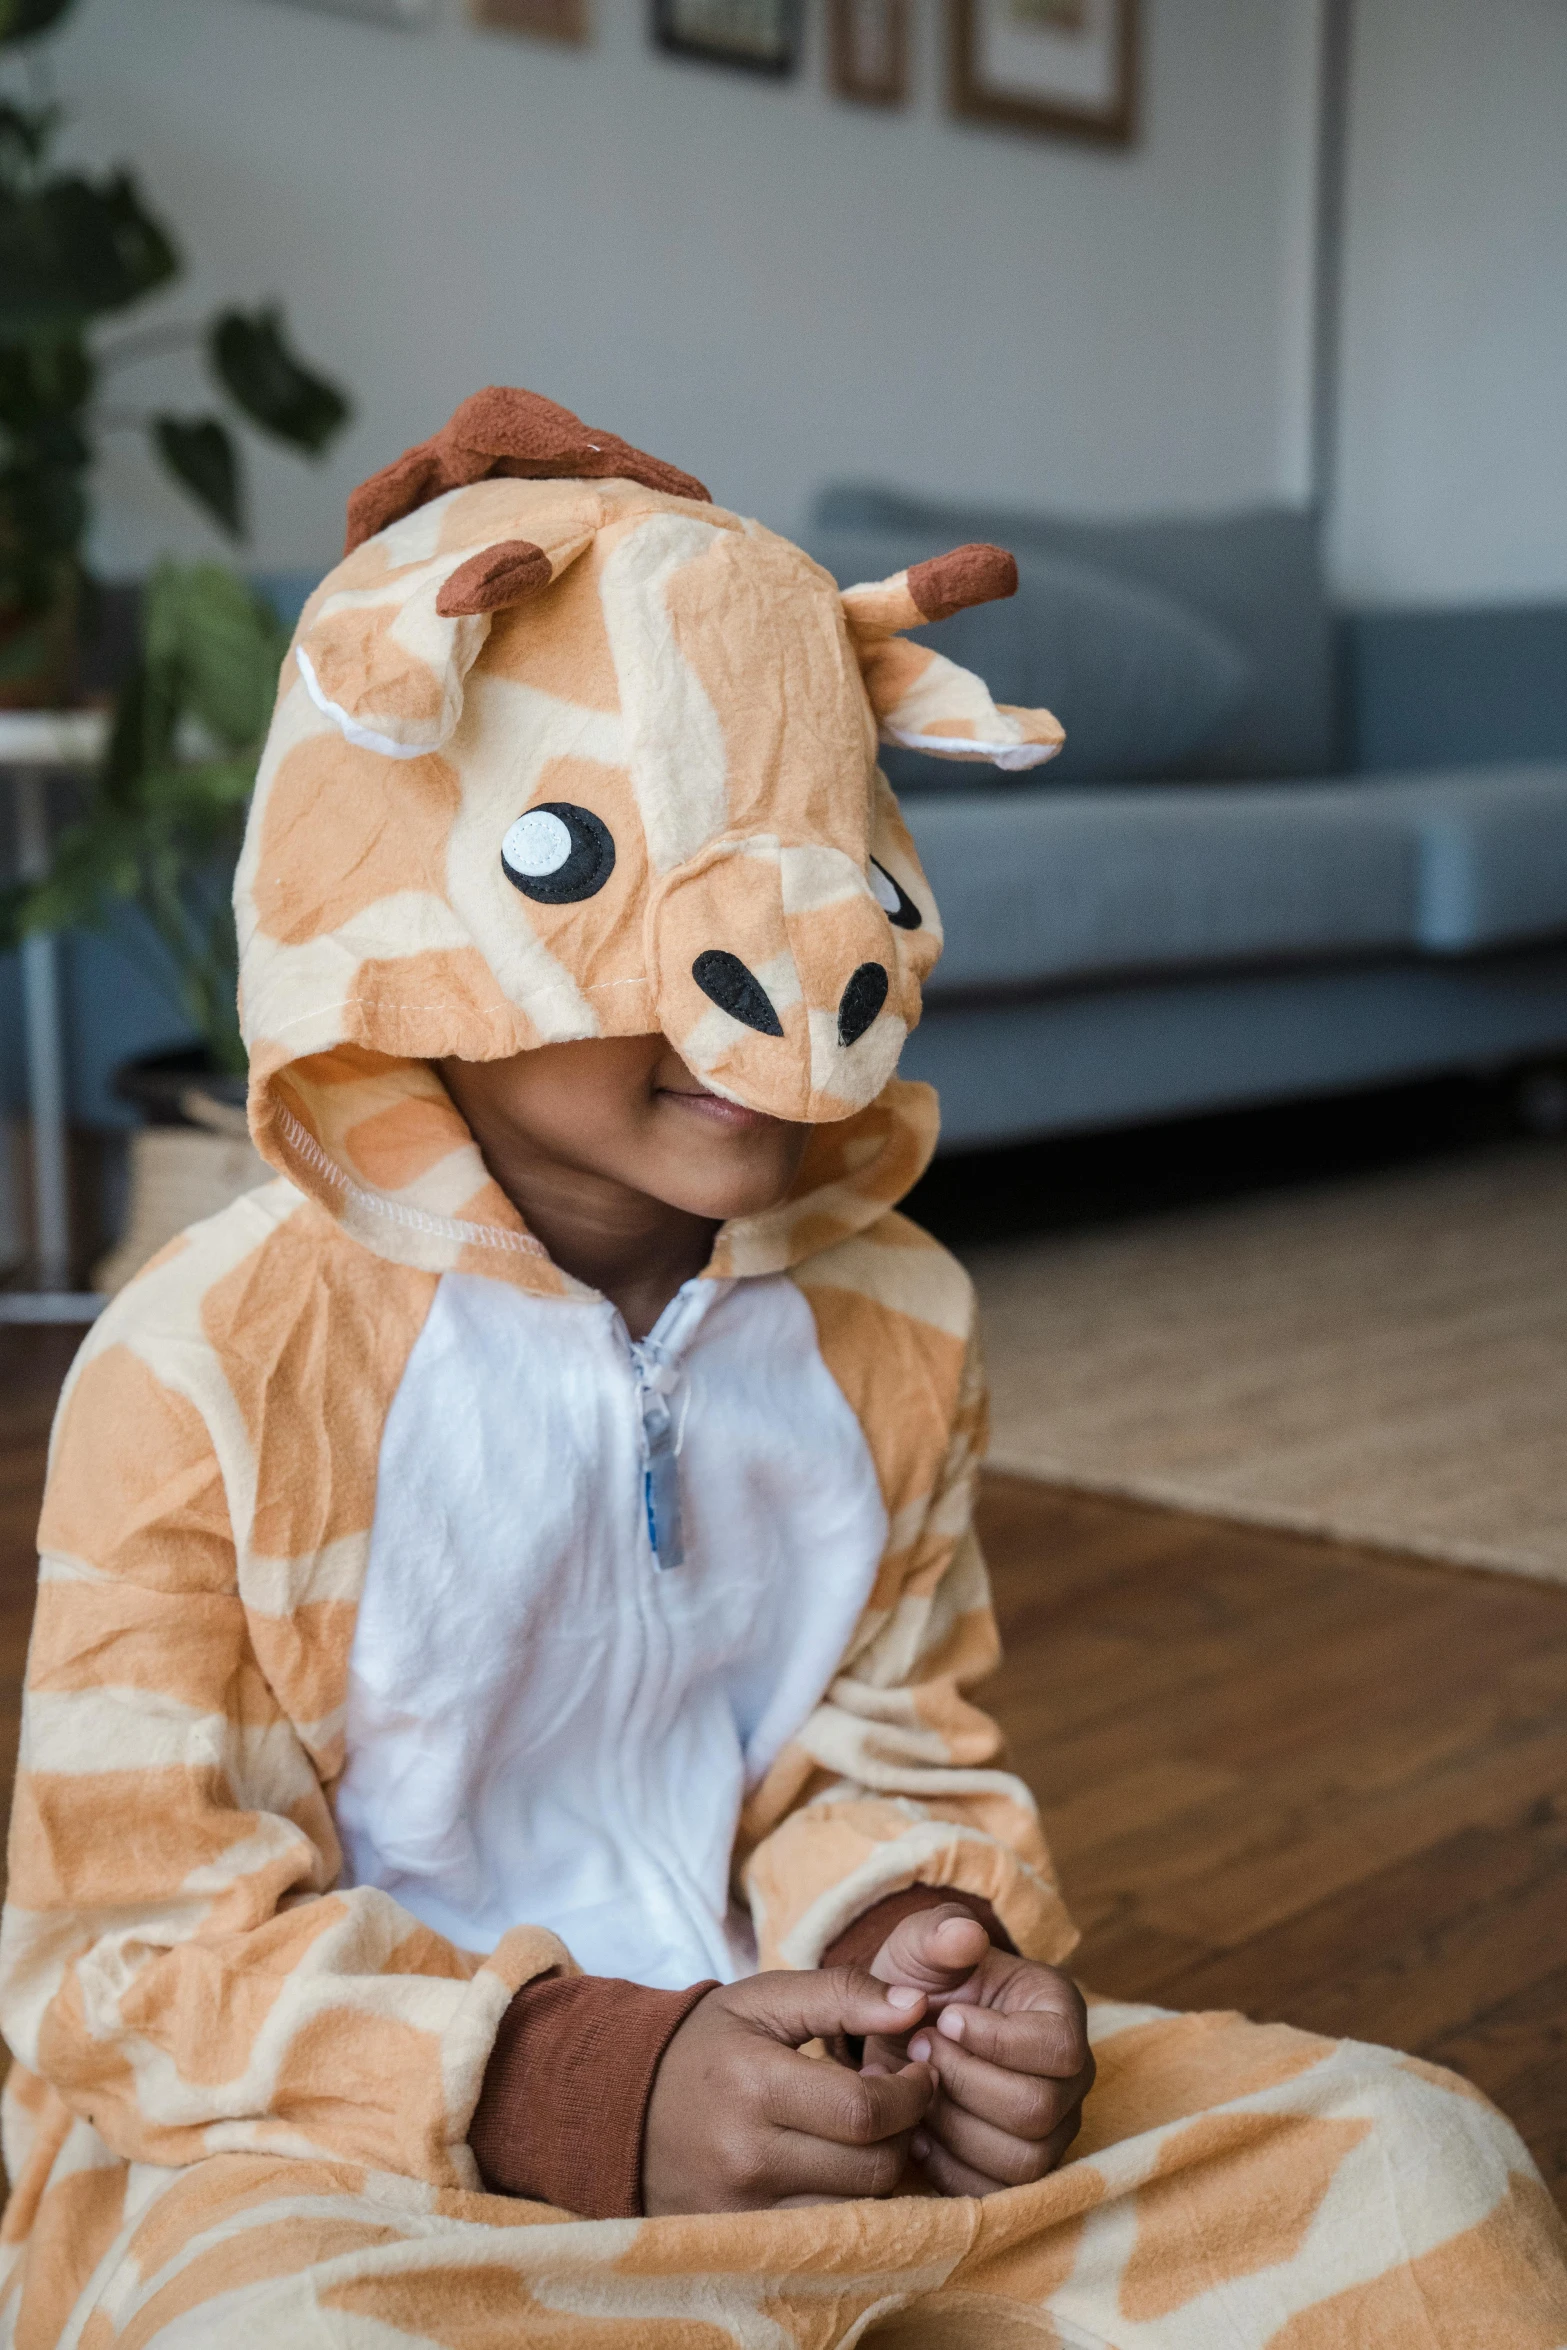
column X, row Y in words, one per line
column 858, row 1944
column 565, row 2095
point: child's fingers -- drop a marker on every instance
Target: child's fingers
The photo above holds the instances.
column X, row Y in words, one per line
column 936, row 1947
column 1024, row 2105
column 819, row 2170
column 827, row 2101
column 951, row 2175
column 996, row 2153
column 1047, row 2040
column 808, row 2201
column 886, row 2056
column 946, row 2173
column 818, row 2005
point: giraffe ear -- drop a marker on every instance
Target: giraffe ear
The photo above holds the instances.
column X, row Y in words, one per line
column 922, row 701
column 387, row 663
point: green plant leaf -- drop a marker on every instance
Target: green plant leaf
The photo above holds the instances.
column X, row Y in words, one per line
column 25, row 133
column 250, row 357
column 216, row 646
column 75, row 248
column 141, row 736
column 201, row 456
column 163, row 830
column 45, row 383
column 14, row 898
column 200, row 799
column 45, row 503
column 93, row 863
column 23, row 20
column 23, row 649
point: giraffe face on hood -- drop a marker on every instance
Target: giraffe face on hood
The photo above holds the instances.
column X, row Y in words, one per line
column 571, row 757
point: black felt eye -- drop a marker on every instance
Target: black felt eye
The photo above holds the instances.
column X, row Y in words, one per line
column 895, row 903
column 558, row 853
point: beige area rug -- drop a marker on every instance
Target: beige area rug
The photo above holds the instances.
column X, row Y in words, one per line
column 1384, row 1361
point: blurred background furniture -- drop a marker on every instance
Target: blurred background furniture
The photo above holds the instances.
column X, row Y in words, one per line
column 1287, row 850
column 36, row 745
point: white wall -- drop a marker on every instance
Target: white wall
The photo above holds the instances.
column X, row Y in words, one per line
column 761, row 283
column 1453, row 435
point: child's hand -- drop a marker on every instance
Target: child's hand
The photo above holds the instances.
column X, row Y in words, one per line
column 1010, row 2047
column 740, row 2120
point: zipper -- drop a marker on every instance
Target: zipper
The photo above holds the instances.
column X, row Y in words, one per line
column 663, row 1399
column 659, row 1383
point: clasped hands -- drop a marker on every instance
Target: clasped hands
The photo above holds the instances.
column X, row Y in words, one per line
column 974, row 2071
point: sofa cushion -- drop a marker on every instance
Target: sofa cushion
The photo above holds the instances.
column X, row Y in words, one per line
column 1493, row 854
column 1256, row 575
column 1138, row 681
column 1452, row 688
column 1046, row 888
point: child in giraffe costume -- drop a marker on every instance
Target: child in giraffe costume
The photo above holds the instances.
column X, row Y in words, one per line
column 504, row 1850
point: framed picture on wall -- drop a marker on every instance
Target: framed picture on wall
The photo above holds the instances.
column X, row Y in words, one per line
column 1067, row 66
column 868, row 50
column 761, row 36
column 541, row 20
column 407, row 15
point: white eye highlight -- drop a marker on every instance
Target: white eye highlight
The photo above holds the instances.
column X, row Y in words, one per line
column 537, row 844
column 558, row 853
column 893, row 899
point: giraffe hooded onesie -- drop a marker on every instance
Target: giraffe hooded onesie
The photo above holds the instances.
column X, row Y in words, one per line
column 406, row 1634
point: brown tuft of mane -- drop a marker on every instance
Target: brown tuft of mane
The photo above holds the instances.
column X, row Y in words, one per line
column 505, row 430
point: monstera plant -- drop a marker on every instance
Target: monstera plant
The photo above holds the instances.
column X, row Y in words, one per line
column 152, row 853
column 78, row 250
column 165, row 812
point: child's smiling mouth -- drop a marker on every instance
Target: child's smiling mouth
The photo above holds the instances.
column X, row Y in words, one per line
column 713, row 1107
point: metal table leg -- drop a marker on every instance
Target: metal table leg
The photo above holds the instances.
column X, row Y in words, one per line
column 35, row 744
column 45, row 1062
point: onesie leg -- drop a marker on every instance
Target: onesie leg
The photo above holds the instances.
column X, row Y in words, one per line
column 1251, row 2185
column 1238, row 2187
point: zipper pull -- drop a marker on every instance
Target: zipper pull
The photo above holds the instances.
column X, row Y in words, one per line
column 660, row 1461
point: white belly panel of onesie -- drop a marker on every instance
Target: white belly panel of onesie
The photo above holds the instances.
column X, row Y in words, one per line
column 546, row 1725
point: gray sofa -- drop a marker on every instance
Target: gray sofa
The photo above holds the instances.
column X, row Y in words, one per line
column 1286, row 851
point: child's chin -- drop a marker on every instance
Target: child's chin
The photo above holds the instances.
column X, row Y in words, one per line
column 724, row 1190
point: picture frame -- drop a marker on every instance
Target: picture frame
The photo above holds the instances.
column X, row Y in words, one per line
column 537, row 20
column 756, row 36
column 1065, row 67
column 868, row 51
column 407, row 16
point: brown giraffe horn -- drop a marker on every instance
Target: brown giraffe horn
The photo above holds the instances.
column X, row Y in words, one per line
column 504, row 430
column 975, row 574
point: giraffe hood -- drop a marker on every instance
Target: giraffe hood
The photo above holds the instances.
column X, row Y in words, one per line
column 563, row 750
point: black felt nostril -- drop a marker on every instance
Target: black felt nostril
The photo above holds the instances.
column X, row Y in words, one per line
column 860, row 1002
column 739, row 992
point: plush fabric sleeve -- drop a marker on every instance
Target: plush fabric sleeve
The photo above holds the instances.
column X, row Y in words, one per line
column 561, row 2114
column 897, row 1778
column 173, row 1959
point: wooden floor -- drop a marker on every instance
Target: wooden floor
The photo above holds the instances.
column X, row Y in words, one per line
column 1308, row 1781
column 1278, row 1774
